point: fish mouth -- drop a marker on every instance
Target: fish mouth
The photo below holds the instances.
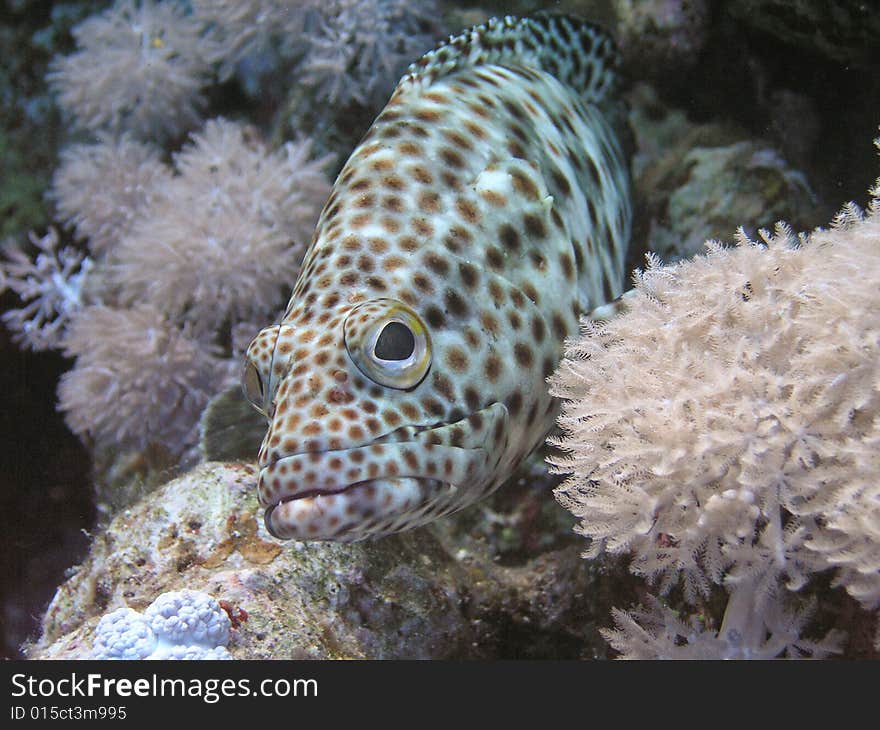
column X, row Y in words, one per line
column 369, row 508
column 379, row 488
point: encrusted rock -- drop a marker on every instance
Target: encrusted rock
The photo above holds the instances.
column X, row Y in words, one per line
column 423, row 594
column 699, row 182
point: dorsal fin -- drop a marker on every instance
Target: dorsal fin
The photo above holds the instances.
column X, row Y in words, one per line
column 575, row 51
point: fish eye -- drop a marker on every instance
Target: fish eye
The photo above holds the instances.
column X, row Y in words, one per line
column 389, row 343
column 252, row 387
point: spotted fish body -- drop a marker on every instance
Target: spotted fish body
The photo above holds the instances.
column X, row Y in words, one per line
column 484, row 211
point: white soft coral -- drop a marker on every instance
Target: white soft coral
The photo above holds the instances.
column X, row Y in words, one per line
column 727, row 424
column 657, row 632
column 724, row 430
column 139, row 66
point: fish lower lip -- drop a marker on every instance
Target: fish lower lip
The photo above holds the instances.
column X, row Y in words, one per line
column 323, row 475
column 359, row 510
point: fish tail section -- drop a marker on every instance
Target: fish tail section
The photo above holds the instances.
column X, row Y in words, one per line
column 578, row 53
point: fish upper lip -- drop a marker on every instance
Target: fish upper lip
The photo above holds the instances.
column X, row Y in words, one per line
column 383, row 439
column 379, row 474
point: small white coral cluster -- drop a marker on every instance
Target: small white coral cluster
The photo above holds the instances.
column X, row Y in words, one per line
column 726, row 429
column 177, row 625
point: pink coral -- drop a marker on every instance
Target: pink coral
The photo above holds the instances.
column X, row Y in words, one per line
column 139, row 379
column 101, row 189
column 50, row 286
column 139, row 66
column 183, row 256
column 222, row 241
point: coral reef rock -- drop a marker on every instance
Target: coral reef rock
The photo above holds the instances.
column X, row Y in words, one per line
column 425, row 594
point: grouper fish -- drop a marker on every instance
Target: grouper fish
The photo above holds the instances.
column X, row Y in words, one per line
column 483, row 213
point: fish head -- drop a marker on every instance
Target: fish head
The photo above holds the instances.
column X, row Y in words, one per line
column 461, row 241
column 368, row 432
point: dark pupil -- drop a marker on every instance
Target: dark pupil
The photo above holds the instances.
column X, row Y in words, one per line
column 395, row 342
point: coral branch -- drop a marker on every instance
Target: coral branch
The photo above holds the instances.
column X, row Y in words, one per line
column 51, row 287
